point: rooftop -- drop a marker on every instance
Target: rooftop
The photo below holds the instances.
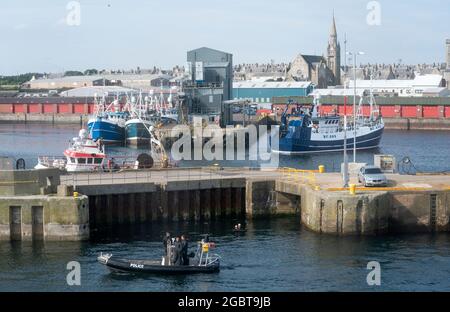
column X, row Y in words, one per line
column 272, row 84
column 92, row 91
column 336, row 92
column 418, row 81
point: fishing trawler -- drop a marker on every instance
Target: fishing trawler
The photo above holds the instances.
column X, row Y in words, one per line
column 108, row 122
column 143, row 117
column 307, row 131
column 146, row 113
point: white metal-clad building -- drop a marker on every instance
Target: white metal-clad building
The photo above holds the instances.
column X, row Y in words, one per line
column 337, row 92
column 402, row 88
column 97, row 90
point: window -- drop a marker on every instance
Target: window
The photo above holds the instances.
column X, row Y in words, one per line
column 98, row 160
column 90, row 160
column 72, row 160
column 373, row 171
column 81, row 160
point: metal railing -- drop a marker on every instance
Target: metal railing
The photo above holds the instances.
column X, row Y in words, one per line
column 155, row 175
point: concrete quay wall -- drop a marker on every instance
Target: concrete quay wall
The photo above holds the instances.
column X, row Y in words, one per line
column 29, row 182
column 370, row 212
column 45, row 118
column 134, row 203
column 71, row 211
column 417, row 123
column 44, row 217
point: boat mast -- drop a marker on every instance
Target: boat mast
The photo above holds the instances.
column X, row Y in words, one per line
column 374, row 110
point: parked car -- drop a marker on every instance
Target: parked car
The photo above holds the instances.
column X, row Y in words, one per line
column 372, row 176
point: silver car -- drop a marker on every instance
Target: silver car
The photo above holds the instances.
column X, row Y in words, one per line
column 372, row 176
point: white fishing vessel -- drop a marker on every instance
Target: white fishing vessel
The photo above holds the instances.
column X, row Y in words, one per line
column 83, row 154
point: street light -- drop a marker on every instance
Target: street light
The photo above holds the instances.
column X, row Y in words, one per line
column 345, row 173
column 354, row 54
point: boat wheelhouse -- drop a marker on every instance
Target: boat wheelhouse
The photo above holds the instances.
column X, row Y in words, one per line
column 84, row 154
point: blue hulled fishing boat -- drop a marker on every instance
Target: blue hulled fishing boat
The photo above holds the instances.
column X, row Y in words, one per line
column 108, row 123
column 306, row 131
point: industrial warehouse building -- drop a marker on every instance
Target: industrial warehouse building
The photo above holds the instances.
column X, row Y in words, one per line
column 66, row 82
column 263, row 92
column 97, row 91
column 134, row 81
column 209, row 83
column 401, row 88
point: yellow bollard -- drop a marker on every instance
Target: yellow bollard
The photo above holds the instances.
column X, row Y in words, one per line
column 75, row 194
column 321, row 169
column 352, row 189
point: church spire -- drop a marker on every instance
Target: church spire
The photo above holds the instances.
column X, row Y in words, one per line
column 334, row 53
column 333, row 32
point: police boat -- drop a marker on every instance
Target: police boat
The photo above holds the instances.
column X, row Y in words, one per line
column 203, row 261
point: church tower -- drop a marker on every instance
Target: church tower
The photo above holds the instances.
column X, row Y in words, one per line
column 334, row 54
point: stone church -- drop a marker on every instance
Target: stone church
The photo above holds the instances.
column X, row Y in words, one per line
column 321, row 71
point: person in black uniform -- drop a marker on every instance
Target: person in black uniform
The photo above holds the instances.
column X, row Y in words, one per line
column 184, row 250
column 177, row 250
column 167, row 240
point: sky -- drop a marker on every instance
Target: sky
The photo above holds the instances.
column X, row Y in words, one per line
column 117, row 34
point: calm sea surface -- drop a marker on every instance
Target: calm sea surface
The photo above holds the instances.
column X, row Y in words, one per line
column 428, row 150
column 274, row 255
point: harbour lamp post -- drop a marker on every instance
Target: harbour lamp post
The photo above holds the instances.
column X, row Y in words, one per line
column 354, row 54
column 345, row 177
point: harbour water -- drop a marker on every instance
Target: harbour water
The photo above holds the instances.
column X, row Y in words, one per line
column 428, row 150
column 273, row 255
column 276, row 255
